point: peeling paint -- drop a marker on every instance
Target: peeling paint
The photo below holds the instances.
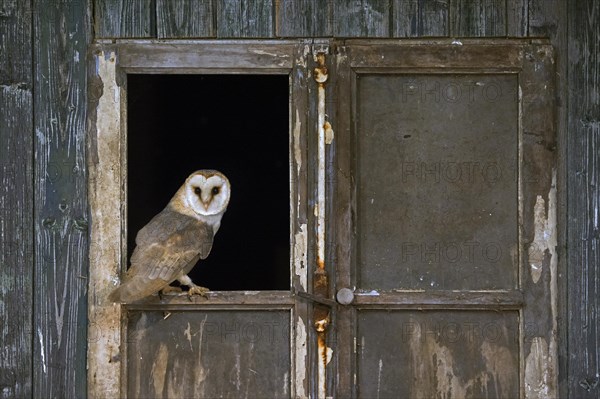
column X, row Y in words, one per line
column 104, row 193
column 379, row 377
column 543, row 238
column 301, row 61
column 188, row 335
column 301, row 354
column 321, row 76
column 322, row 366
column 200, row 373
column 42, row 351
column 262, row 52
column 159, row 369
column 370, row 293
column 301, row 256
column 537, row 377
column 297, row 148
column 541, row 365
column 329, row 135
column 434, row 363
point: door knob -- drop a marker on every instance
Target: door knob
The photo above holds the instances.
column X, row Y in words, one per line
column 345, row 296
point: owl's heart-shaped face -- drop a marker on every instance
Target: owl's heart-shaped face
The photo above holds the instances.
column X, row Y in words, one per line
column 208, row 191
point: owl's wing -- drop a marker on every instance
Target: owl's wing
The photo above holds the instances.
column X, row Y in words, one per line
column 167, row 247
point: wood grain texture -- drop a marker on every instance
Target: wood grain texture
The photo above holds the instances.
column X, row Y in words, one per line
column 248, row 18
column 184, row 19
column 548, row 18
column 517, row 18
column 61, row 37
column 583, row 177
column 476, row 18
column 363, row 18
column 209, row 354
column 303, row 18
column 124, row 18
column 16, row 200
column 414, row 18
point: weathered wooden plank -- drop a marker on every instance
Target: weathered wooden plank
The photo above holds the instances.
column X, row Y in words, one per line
column 437, row 354
column 124, row 18
column 517, row 18
column 218, row 300
column 492, row 56
column 248, row 18
column 303, row 18
column 548, row 18
column 16, row 200
column 538, row 222
column 440, row 299
column 61, row 37
column 583, row 197
column 105, row 144
column 206, row 56
column 471, row 18
column 210, row 354
column 415, row 18
column 184, row 18
column 362, row 18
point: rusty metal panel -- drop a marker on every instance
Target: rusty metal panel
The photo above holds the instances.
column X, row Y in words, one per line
column 437, row 181
column 432, row 354
column 209, row 354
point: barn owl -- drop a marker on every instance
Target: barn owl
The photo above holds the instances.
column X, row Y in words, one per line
column 169, row 246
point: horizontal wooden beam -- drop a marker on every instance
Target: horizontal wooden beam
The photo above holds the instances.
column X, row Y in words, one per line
column 231, row 300
column 501, row 300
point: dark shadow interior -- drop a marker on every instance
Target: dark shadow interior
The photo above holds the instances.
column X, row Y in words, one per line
column 237, row 124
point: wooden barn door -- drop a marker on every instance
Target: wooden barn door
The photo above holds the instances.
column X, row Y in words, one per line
column 445, row 210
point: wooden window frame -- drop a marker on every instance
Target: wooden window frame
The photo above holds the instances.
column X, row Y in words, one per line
column 110, row 63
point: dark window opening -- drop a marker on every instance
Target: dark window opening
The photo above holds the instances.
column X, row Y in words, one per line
column 237, row 124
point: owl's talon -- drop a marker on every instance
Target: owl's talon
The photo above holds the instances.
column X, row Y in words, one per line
column 197, row 290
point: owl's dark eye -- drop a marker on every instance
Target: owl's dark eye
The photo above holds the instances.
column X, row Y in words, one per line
column 197, row 190
column 215, row 190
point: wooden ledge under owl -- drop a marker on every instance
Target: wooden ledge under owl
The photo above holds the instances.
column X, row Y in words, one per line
column 168, row 247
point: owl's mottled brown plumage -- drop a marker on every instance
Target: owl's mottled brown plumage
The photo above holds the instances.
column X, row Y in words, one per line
column 169, row 246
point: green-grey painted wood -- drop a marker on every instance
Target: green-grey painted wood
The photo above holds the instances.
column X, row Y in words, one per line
column 303, row 18
column 247, row 18
column 361, row 18
column 475, row 18
column 416, row 18
column 583, row 177
column 124, row 18
column 16, row 200
column 184, row 18
column 62, row 33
